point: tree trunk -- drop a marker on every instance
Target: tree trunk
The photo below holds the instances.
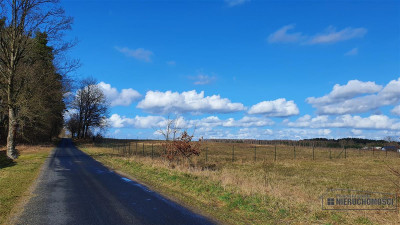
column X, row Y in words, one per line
column 12, row 131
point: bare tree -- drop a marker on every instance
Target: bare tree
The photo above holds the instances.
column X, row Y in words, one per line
column 91, row 106
column 171, row 129
column 20, row 20
column 391, row 140
column 72, row 124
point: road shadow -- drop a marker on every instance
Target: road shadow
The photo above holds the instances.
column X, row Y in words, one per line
column 4, row 160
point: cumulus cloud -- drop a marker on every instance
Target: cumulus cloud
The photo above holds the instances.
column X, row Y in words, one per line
column 330, row 35
column 277, row 108
column 246, row 121
column 347, row 121
column 140, row 54
column 144, row 122
column 396, row 110
column 232, row 3
column 351, row 98
column 242, row 133
column 173, row 102
column 298, row 134
column 340, row 93
column 356, row 132
column 282, row 35
column 253, row 133
column 123, row 98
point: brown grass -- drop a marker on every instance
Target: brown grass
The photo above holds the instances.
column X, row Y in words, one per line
column 292, row 186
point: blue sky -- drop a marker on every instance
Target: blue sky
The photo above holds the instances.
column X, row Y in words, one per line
column 244, row 69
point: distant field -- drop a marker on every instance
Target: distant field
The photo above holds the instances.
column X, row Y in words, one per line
column 16, row 177
column 254, row 184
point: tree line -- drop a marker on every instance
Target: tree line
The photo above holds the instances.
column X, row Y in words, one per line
column 35, row 89
column 317, row 142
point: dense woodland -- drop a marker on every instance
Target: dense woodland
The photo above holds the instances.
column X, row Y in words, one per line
column 40, row 104
column 35, row 88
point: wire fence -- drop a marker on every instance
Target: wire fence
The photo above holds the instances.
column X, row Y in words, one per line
column 238, row 152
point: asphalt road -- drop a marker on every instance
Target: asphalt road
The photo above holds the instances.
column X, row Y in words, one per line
column 76, row 189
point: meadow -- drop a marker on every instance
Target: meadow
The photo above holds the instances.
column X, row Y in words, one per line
column 16, row 178
column 258, row 184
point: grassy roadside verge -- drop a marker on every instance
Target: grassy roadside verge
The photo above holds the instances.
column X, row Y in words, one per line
column 259, row 193
column 17, row 177
column 194, row 191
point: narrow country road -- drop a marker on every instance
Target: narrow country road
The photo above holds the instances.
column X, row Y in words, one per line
column 76, row 189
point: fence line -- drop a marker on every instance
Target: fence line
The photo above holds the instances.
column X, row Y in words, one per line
column 214, row 152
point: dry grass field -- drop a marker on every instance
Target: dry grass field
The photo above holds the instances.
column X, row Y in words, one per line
column 254, row 184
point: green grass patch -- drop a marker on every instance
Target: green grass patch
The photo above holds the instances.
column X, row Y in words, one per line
column 17, row 176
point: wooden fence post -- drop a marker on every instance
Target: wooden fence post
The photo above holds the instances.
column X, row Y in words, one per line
column 143, row 148
column 275, row 154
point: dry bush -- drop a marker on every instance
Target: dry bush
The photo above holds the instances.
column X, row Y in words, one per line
column 182, row 147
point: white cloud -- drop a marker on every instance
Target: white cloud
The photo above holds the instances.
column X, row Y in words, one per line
column 353, row 51
column 208, row 122
column 396, row 110
column 123, row 98
column 282, row 35
column 232, row 3
column 277, row 108
column 331, row 35
column 144, row 122
column 243, row 133
column 190, row 101
column 139, row 54
column 352, row 89
column 68, row 113
column 202, row 79
column 297, row 134
column 248, row 122
column 346, row 99
column 347, row 121
column 356, row 132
